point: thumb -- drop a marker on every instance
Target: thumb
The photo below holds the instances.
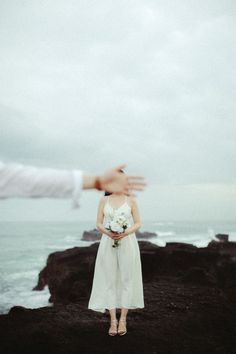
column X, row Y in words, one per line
column 120, row 167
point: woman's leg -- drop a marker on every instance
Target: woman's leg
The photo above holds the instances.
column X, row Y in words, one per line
column 122, row 322
column 124, row 313
column 113, row 325
column 113, row 314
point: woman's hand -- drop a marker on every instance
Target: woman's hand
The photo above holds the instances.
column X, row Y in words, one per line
column 113, row 235
column 118, row 236
column 121, row 235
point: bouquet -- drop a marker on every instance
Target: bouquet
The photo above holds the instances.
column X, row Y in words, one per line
column 118, row 224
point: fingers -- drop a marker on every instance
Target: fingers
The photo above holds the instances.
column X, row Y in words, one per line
column 136, row 188
column 131, row 187
column 120, row 237
column 117, row 236
column 137, row 183
column 133, row 181
column 131, row 194
column 135, row 177
column 120, row 167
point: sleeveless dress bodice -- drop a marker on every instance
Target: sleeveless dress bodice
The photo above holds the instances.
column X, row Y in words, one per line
column 110, row 212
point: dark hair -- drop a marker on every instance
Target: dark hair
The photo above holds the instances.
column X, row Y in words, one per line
column 108, row 193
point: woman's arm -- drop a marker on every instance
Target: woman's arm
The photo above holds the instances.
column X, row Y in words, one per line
column 100, row 216
column 136, row 218
column 17, row 180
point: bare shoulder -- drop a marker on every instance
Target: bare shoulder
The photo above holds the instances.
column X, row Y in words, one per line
column 103, row 200
column 132, row 201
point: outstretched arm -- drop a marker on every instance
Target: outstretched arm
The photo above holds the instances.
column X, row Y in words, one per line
column 18, row 180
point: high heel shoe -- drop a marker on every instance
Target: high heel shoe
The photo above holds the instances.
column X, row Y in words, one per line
column 122, row 332
column 110, row 332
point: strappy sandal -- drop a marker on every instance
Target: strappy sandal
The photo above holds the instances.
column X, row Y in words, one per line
column 122, row 332
column 113, row 333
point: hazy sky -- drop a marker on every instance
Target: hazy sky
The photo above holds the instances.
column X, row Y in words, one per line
column 93, row 84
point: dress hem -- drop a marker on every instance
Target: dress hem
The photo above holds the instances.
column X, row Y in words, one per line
column 103, row 310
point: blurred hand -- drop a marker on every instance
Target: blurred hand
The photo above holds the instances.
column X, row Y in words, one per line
column 115, row 181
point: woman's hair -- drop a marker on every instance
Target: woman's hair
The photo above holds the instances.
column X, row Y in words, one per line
column 108, row 193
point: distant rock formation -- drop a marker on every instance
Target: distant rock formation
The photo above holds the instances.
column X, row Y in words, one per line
column 222, row 237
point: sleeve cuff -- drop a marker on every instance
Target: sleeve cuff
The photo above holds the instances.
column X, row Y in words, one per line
column 78, row 187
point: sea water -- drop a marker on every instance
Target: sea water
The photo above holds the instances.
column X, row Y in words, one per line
column 25, row 246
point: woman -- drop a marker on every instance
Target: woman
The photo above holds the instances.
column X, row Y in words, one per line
column 117, row 281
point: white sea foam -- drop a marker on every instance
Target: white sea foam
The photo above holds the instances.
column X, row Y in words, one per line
column 22, row 275
column 232, row 236
column 202, row 243
column 26, row 298
column 163, row 223
column 158, row 241
column 70, row 238
column 165, row 233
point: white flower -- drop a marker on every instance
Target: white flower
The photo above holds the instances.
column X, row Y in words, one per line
column 121, row 219
column 115, row 226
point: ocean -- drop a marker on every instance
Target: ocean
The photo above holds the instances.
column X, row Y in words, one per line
column 25, row 246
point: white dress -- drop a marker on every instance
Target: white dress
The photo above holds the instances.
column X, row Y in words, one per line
column 117, row 280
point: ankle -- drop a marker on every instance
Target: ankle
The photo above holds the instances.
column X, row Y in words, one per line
column 122, row 318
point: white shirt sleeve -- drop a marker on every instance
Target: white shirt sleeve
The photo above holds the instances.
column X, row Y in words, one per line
column 18, row 180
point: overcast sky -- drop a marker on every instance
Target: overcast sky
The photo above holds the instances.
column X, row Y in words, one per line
column 93, row 84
